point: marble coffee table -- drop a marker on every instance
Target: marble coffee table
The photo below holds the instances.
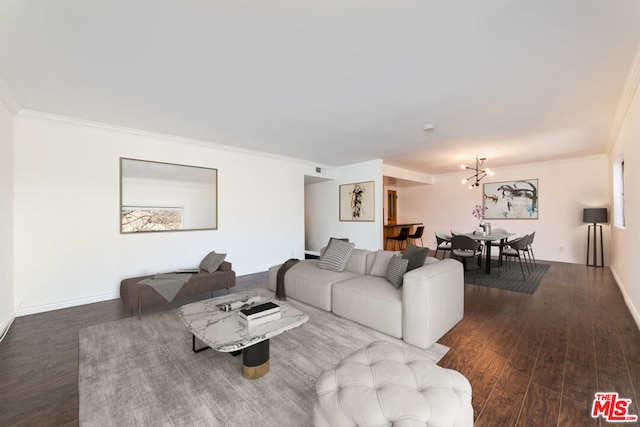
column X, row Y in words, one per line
column 222, row 331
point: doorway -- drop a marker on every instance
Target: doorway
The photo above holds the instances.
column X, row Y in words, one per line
column 392, row 207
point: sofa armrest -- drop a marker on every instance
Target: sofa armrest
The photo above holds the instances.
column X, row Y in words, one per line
column 432, row 302
column 225, row 266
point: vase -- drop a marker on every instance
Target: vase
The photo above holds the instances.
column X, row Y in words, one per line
column 483, row 226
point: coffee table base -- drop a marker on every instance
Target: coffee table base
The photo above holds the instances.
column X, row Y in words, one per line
column 193, row 346
column 254, row 372
column 255, row 360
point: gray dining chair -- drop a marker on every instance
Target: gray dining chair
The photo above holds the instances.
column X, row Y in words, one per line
column 443, row 243
column 529, row 249
column 497, row 243
column 513, row 249
column 465, row 248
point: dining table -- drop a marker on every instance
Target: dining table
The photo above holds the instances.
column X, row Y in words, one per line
column 488, row 238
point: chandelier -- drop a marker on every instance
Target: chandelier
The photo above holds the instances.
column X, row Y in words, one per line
column 478, row 173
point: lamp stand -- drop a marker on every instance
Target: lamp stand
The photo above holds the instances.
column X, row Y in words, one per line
column 595, row 246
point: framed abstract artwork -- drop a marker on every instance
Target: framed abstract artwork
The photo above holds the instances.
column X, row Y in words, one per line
column 357, row 201
column 511, row 199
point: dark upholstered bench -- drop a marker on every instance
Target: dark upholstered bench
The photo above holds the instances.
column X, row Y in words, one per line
column 137, row 296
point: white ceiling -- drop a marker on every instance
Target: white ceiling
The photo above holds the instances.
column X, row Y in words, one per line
column 334, row 82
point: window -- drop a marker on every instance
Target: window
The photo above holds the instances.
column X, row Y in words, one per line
column 618, row 193
column 150, row 218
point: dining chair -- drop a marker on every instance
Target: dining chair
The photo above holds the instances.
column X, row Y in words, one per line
column 529, row 249
column 465, row 248
column 513, row 250
column 455, row 232
column 417, row 235
column 497, row 243
column 443, row 243
column 402, row 237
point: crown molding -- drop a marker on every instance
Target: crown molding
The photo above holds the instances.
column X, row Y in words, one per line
column 7, row 98
column 38, row 115
column 626, row 98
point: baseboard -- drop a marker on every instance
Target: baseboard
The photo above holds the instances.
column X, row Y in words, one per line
column 6, row 324
column 566, row 260
column 254, row 270
column 632, row 309
column 26, row 310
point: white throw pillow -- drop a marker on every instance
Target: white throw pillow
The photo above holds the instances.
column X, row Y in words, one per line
column 381, row 262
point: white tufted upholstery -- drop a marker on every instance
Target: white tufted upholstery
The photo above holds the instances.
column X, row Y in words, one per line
column 385, row 385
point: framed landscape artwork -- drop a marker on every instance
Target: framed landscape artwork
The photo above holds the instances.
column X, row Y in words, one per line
column 357, row 201
column 511, row 199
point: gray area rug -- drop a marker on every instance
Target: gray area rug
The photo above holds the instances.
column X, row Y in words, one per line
column 144, row 373
column 510, row 277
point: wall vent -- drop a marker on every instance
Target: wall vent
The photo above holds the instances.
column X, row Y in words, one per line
column 318, row 170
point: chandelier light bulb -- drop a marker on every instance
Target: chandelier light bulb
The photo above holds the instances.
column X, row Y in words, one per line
column 463, row 167
column 464, row 181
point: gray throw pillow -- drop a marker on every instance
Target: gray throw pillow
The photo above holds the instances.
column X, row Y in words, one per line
column 212, row 261
column 416, row 256
column 395, row 270
column 336, row 256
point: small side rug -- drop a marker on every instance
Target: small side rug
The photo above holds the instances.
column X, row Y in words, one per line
column 143, row 373
column 510, row 277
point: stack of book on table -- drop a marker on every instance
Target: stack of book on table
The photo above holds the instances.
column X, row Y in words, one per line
column 259, row 314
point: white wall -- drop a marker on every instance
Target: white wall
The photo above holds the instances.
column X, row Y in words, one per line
column 7, row 309
column 625, row 250
column 565, row 188
column 322, row 204
column 68, row 249
column 410, row 203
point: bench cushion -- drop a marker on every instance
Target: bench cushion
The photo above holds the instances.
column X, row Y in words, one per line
column 383, row 384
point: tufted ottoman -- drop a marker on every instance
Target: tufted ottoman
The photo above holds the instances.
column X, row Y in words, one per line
column 386, row 385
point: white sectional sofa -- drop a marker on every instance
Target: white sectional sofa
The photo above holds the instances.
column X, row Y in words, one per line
column 428, row 304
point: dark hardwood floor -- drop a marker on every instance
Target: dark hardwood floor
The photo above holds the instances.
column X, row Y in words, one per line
column 538, row 360
column 531, row 359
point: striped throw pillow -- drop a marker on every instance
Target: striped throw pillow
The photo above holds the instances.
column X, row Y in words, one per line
column 336, row 255
column 396, row 269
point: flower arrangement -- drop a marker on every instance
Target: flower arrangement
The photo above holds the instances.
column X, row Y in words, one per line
column 479, row 211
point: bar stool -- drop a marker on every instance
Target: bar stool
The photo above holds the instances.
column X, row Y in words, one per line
column 402, row 237
column 417, row 235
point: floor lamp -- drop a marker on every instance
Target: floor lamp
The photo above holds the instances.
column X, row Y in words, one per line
column 593, row 216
